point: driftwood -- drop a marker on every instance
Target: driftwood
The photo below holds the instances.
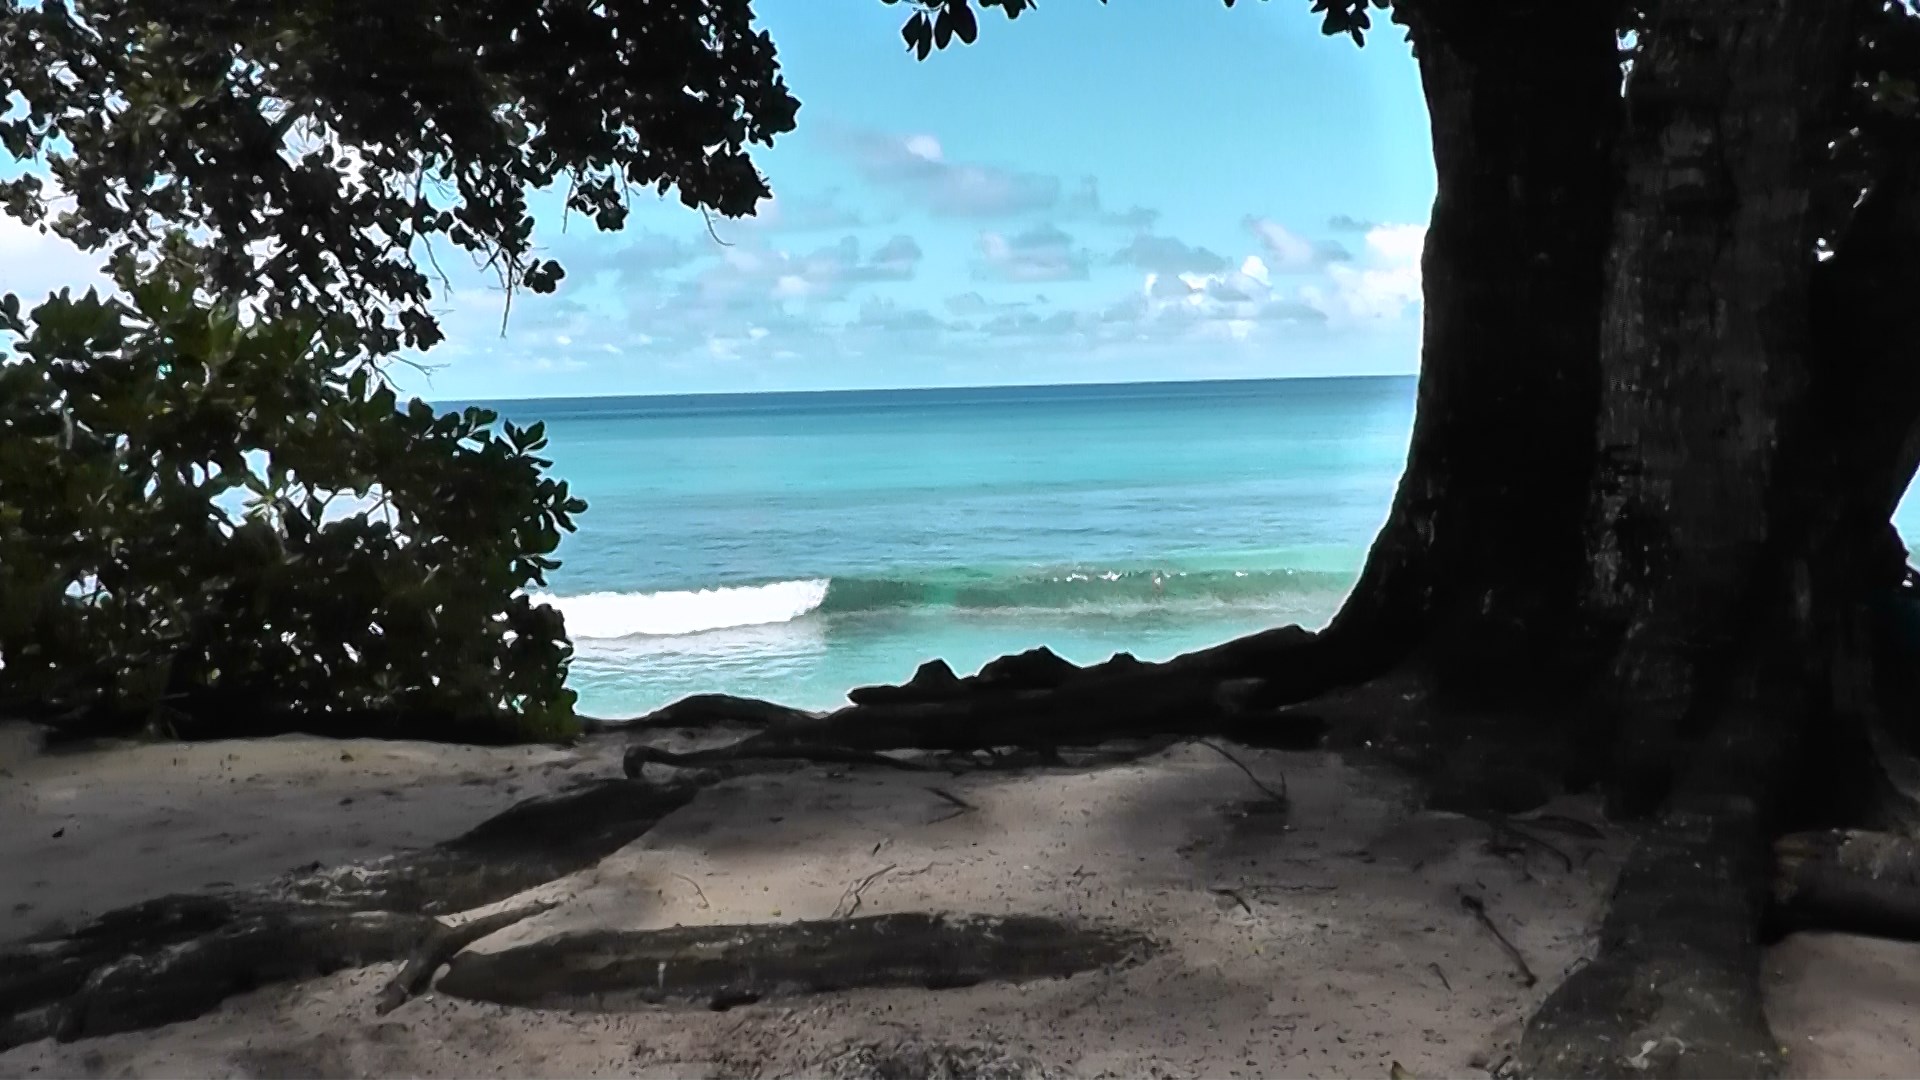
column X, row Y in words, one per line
column 178, row 957
column 1858, row 882
column 724, row 966
column 1037, row 701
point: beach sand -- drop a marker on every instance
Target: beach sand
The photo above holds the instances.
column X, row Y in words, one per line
column 1327, row 941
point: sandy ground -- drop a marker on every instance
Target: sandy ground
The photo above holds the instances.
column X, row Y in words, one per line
column 1329, row 941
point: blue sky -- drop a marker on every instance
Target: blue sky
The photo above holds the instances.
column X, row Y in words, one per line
column 1140, row 190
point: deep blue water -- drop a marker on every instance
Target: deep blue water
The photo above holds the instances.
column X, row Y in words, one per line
column 792, row 546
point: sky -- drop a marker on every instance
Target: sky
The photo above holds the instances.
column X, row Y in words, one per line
column 1141, row 190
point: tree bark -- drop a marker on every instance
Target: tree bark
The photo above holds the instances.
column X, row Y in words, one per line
column 1706, row 355
column 1480, row 563
column 1859, row 882
column 1709, row 529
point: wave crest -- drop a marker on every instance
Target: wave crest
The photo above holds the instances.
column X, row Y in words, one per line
column 663, row 614
column 610, row 615
column 1107, row 590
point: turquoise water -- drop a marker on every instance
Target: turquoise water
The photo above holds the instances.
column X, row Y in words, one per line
column 792, row 546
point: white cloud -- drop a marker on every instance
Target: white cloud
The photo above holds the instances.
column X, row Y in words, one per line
column 917, row 167
column 1384, row 287
column 925, row 147
column 39, row 262
column 552, row 365
column 800, row 213
column 748, row 275
column 1288, row 252
column 1398, row 243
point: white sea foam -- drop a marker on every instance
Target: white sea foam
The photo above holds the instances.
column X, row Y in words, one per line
column 606, row 615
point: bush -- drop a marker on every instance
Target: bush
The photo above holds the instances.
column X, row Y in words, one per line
column 213, row 524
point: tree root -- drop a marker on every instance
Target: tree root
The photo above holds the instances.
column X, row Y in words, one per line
column 722, row 966
column 178, row 957
column 144, row 990
column 638, row 757
column 710, row 711
column 1674, row 987
column 1857, row 882
column 1032, row 701
column 440, row 946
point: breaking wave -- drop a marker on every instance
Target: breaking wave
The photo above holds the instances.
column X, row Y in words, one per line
column 607, row 615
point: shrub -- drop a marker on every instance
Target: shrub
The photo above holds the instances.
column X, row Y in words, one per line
column 213, row 524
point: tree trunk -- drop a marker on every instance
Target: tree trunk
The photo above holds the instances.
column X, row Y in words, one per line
column 1706, row 359
column 1479, row 566
column 1714, row 529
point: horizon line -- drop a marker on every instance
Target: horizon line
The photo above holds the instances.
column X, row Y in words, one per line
column 920, row 389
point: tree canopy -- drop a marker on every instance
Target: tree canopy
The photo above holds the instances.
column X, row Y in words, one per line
column 316, row 150
column 216, row 516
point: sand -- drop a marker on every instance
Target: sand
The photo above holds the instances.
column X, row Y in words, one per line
column 1329, row 941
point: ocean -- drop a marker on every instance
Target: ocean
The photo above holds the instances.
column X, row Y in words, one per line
column 793, row 546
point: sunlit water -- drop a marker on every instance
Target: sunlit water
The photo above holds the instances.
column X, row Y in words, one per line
column 793, row 546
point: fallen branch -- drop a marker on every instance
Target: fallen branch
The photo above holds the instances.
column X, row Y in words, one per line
column 441, row 943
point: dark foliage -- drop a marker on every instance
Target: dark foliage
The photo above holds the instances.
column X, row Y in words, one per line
column 168, row 560
column 215, row 515
column 319, row 148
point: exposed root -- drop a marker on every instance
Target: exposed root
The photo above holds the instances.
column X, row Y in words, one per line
column 713, row 710
column 531, row 843
column 1858, row 882
column 1674, row 988
column 1032, row 701
column 144, row 990
column 440, row 946
column 723, row 966
column 639, row 757
column 178, row 957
